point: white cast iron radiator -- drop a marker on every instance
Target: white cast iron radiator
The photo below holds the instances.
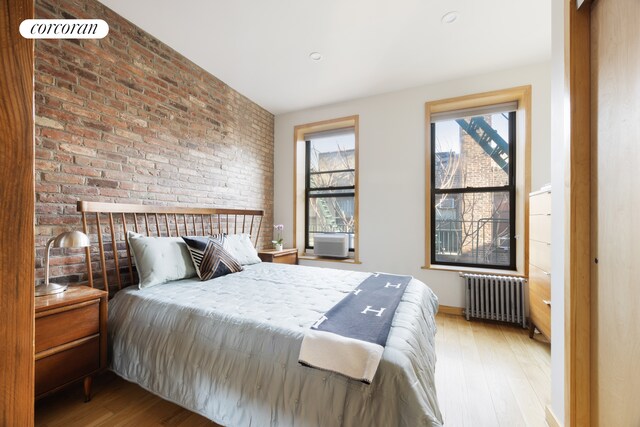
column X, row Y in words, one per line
column 499, row 298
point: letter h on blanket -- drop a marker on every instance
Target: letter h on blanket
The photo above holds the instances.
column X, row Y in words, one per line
column 368, row 309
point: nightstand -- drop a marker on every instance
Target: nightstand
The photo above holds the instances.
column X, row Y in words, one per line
column 285, row 256
column 71, row 338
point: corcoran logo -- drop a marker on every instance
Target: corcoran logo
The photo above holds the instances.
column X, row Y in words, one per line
column 64, row 28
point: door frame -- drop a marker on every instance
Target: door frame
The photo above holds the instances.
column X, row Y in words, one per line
column 577, row 221
column 17, row 192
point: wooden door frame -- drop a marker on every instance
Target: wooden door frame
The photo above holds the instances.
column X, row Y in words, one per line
column 17, row 253
column 577, row 221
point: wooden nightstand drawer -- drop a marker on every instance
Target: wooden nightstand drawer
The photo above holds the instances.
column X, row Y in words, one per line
column 63, row 367
column 286, row 259
column 285, row 256
column 66, row 324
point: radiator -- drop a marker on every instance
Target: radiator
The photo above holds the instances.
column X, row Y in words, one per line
column 500, row 298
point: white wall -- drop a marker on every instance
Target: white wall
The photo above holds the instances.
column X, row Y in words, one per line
column 392, row 169
column 559, row 134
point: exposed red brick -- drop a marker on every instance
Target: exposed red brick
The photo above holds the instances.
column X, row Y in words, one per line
column 78, row 149
column 102, row 183
column 60, row 136
column 42, row 165
column 127, row 119
column 78, row 190
column 79, row 170
column 80, row 111
column 62, row 178
column 47, row 187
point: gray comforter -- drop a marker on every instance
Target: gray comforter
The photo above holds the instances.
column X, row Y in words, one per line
column 228, row 349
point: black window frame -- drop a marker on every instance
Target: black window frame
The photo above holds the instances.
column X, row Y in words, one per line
column 318, row 194
column 510, row 188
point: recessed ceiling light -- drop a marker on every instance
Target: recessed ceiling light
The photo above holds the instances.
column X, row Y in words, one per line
column 315, row 56
column 449, row 17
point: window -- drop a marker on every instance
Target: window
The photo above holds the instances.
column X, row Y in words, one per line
column 473, row 189
column 330, row 184
column 477, row 180
column 326, row 184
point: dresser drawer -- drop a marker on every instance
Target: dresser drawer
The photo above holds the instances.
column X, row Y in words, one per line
column 540, row 314
column 67, row 324
column 540, row 254
column 539, row 282
column 540, row 204
column 285, row 259
column 540, row 228
column 539, row 297
column 68, row 365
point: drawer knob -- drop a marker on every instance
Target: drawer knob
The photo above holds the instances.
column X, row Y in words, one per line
column 547, row 302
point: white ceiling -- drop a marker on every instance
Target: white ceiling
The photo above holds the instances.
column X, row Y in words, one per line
column 261, row 47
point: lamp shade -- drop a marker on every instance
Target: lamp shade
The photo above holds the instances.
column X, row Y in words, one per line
column 71, row 239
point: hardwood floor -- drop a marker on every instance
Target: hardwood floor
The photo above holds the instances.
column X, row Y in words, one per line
column 487, row 375
column 115, row 402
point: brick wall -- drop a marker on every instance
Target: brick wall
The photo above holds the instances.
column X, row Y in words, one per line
column 128, row 119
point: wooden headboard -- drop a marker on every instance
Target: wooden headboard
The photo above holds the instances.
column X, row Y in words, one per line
column 107, row 224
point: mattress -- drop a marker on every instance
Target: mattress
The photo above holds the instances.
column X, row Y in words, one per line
column 228, row 349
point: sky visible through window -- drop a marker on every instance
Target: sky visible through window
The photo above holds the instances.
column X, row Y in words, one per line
column 331, row 144
column 448, row 132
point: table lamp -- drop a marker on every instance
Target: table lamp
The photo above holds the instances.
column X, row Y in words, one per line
column 69, row 239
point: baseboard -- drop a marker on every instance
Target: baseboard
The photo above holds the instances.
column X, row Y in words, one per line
column 550, row 417
column 445, row 309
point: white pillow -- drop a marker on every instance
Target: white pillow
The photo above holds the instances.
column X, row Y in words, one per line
column 160, row 259
column 241, row 248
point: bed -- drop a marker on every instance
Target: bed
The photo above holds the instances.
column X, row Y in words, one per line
column 228, row 348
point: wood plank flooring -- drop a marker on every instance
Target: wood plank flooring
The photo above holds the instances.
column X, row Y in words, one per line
column 486, row 375
column 489, row 374
column 115, row 402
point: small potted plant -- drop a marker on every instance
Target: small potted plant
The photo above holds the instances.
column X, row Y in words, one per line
column 277, row 243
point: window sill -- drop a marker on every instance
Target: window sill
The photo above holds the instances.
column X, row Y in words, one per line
column 324, row 259
column 474, row 270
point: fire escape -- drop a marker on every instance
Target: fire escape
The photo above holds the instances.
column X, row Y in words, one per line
column 488, row 138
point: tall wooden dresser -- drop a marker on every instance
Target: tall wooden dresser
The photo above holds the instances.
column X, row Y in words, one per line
column 540, row 262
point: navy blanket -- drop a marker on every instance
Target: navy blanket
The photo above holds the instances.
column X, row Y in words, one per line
column 366, row 313
column 350, row 337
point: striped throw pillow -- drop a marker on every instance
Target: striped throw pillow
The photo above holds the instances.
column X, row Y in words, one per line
column 210, row 258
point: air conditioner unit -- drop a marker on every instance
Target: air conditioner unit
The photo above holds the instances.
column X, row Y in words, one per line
column 331, row 245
